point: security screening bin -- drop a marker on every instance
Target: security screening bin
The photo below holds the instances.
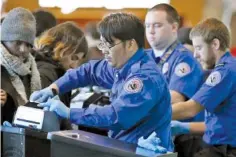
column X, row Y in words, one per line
column 76, row 143
column 28, row 137
column 19, row 142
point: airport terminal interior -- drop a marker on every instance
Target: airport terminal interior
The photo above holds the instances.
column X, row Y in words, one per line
column 124, row 78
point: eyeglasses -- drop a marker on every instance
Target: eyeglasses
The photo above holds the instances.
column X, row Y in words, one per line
column 103, row 46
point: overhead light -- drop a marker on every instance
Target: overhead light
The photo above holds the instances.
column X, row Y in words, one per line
column 65, row 10
column 68, row 6
column 47, row 3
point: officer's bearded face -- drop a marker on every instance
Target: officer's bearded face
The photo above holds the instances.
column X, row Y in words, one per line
column 159, row 31
column 203, row 53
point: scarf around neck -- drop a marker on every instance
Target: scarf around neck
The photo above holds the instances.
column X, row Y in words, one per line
column 16, row 68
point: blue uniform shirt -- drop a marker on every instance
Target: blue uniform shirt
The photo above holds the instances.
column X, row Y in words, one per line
column 218, row 96
column 183, row 73
column 140, row 98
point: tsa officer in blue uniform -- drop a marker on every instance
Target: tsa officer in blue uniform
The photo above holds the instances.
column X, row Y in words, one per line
column 217, row 95
column 182, row 71
column 137, row 109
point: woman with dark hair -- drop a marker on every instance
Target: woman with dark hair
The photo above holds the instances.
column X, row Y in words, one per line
column 60, row 48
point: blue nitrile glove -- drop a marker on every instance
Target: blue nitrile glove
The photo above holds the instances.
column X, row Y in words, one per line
column 152, row 143
column 178, row 128
column 54, row 98
column 56, row 106
column 6, row 123
column 42, row 96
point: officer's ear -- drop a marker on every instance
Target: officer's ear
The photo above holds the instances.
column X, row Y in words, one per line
column 175, row 27
column 215, row 44
column 131, row 44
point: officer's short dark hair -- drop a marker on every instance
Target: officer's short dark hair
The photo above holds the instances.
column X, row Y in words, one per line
column 44, row 21
column 172, row 14
column 123, row 26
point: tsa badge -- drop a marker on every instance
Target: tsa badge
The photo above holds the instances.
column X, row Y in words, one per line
column 134, row 85
column 213, row 79
column 182, row 69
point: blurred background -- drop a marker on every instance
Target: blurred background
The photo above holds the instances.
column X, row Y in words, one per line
column 84, row 11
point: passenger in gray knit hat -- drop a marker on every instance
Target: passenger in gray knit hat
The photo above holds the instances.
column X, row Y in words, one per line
column 19, row 73
column 19, row 24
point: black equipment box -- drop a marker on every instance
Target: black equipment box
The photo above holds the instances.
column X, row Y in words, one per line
column 75, row 143
column 19, row 142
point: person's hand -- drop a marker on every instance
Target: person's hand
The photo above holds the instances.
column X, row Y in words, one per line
column 3, row 97
column 57, row 106
column 178, row 128
column 6, row 123
column 42, row 96
column 152, row 143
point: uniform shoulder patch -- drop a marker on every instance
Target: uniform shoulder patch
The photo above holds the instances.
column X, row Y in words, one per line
column 165, row 68
column 182, row 69
column 133, row 85
column 213, row 79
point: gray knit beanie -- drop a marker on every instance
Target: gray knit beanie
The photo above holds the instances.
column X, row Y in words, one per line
column 19, row 24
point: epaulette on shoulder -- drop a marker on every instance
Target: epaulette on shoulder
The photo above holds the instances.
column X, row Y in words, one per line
column 183, row 49
column 219, row 65
column 147, row 50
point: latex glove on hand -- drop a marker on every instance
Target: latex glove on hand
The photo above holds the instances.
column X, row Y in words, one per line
column 56, row 106
column 42, row 96
column 178, row 128
column 55, row 98
column 6, row 123
column 152, row 143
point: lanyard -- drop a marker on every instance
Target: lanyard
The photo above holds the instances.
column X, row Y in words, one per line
column 167, row 53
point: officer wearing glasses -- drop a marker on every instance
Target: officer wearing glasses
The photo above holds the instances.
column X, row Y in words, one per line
column 140, row 99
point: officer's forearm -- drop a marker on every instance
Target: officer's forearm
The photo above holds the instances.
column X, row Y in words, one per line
column 197, row 127
column 102, row 117
column 176, row 97
column 185, row 110
column 70, row 80
column 180, row 111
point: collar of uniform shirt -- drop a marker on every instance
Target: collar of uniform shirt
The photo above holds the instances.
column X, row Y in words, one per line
column 160, row 53
column 126, row 67
column 223, row 59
